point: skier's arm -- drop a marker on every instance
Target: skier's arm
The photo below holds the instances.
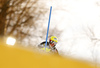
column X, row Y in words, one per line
column 41, row 45
column 55, row 51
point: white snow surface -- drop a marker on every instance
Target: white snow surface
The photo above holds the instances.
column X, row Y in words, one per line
column 74, row 17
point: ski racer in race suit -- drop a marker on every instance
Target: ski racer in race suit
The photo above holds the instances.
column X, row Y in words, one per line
column 50, row 45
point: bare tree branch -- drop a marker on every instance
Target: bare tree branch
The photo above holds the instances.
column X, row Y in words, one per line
column 19, row 18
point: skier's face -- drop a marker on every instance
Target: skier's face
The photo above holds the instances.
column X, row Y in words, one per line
column 52, row 43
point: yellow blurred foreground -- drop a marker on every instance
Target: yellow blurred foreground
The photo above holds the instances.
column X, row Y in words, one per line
column 14, row 57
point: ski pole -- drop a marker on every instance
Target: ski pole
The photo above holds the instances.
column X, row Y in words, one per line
column 48, row 27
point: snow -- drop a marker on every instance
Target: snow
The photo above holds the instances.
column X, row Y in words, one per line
column 72, row 16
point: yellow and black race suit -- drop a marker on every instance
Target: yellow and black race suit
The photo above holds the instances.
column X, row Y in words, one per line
column 47, row 48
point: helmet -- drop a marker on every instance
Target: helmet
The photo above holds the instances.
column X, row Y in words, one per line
column 53, row 40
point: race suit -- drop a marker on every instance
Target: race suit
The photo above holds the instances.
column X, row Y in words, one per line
column 48, row 48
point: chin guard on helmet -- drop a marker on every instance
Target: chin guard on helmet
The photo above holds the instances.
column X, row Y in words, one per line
column 53, row 40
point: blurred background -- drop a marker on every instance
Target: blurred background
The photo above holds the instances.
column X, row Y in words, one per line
column 76, row 23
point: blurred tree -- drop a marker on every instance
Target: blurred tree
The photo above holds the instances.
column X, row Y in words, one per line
column 23, row 19
column 16, row 16
column 3, row 14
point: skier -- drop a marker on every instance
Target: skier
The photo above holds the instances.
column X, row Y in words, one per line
column 50, row 47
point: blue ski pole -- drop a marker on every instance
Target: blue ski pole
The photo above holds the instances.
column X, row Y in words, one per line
column 48, row 27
